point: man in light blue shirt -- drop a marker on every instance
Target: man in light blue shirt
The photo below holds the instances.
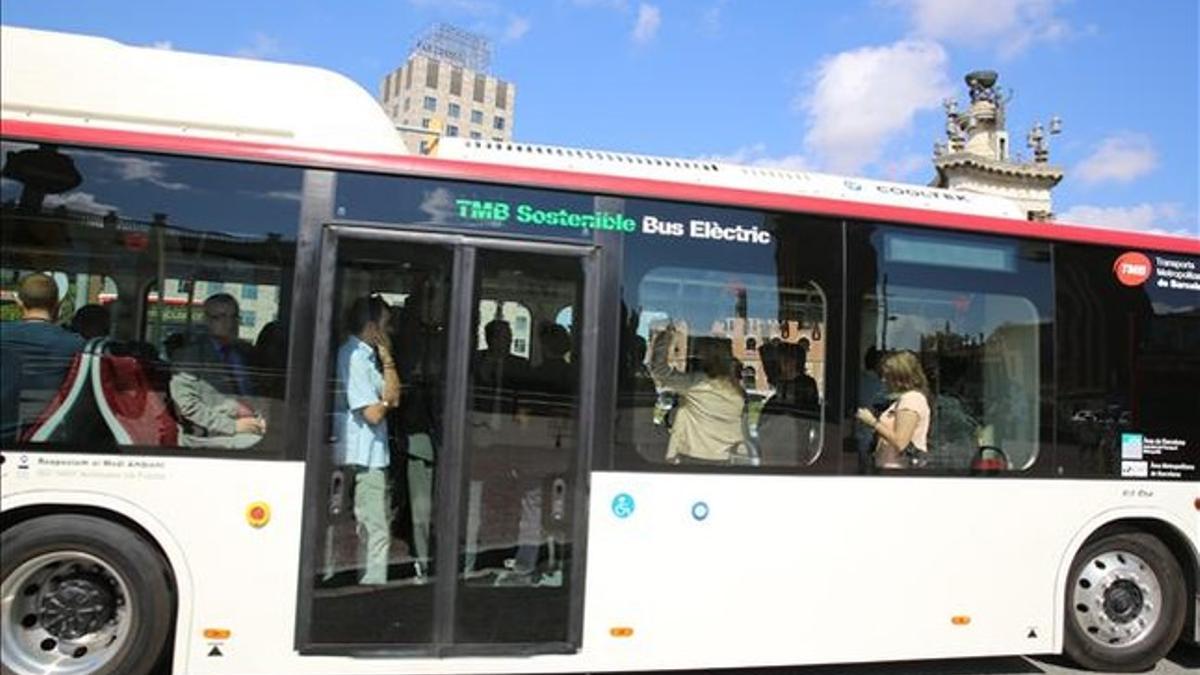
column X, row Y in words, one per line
column 368, row 386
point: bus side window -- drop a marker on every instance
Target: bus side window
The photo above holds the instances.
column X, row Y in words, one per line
column 725, row 349
column 134, row 255
column 975, row 311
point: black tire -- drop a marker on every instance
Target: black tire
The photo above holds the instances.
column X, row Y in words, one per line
column 1125, row 603
column 101, row 559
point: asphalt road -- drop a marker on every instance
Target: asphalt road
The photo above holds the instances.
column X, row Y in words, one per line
column 1184, row 659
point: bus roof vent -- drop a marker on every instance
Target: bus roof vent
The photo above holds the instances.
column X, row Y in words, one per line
column 719, row 174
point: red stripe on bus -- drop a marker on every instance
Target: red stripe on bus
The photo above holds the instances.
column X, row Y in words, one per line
column 432, row 167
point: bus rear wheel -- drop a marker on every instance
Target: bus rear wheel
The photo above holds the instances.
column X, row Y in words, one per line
column 80, row 594
column 1125, row 603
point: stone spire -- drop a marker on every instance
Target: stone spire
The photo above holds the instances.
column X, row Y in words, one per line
column 975, row 157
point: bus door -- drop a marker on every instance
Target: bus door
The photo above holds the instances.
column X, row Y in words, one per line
column 447, row 519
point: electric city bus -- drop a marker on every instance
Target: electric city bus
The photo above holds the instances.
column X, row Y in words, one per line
column 279, row 396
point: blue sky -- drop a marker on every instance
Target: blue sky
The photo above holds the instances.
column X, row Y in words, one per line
column 847, row 87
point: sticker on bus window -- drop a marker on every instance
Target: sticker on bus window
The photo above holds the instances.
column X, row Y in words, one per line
column 1132, row 268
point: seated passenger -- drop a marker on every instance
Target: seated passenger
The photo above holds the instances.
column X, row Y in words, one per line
column 788, row 432
column 554, row 375
column 902, row 429
column 35, row 355
column 210, row 382
column 91, row 321
column 496, row 365
column 708, row 425
column 497, row 374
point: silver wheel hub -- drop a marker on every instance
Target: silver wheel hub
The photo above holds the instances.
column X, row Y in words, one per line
column 65, row 613
column 1117, row 599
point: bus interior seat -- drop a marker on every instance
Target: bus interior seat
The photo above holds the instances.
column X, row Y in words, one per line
column 71, row 414
column 130, row 389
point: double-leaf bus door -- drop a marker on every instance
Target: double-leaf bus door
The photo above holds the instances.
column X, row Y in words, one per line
column 449, row 522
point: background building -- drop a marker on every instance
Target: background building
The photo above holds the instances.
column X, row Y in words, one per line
column 444, row 88
column 977, row 155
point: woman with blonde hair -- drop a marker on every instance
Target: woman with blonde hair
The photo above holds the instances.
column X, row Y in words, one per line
column 903, row 428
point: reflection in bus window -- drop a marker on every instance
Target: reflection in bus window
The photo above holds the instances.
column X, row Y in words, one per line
column 135, row 245
column 725, row 346
column 969, row 309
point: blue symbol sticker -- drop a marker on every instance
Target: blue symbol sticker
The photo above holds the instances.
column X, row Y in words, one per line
column 622, row 505
column 699, row 510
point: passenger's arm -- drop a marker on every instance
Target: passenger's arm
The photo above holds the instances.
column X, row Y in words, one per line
column 365, row 389
column 664, row 375
column 193, row 398
column 900, row 434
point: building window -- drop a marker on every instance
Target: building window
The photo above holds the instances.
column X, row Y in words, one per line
column 498, row 123
column 408, row 71
column 451, row 130
column 453, row 110
column 480, row 85
column 430, row 103
column 249, row 292
column 475, row 135
column 407, row 102
column 476, row 117
column 501, row 95
column 497, row 139
column 425, row 122
column 387, row 88
column 396, row 75
column 431, row 74
column 456, row 81
column 249, row 318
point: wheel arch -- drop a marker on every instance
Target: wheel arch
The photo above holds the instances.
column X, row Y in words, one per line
column 28, row 506
column 1164, row 526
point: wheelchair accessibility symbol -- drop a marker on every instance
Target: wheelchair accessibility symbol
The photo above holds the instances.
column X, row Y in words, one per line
column 622, row 505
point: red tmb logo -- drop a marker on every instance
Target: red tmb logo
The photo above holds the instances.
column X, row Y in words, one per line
column 1132, row 269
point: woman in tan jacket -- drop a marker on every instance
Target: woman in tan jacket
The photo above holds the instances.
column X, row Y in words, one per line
column 708, row 424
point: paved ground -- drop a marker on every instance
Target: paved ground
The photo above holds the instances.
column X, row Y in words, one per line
column 1184, row 660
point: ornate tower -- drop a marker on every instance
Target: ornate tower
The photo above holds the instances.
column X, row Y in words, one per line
column 976, row 157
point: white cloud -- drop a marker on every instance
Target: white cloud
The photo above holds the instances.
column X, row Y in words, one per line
column 710, row 18
column 162, row 44
column 1162, row 218
column 78, row 201
column 1118, row 159
column 263, row 46
column 136, row 168
column 649, row 18
column 861, row 99
column 756, row 155
column 618, row 5
column 439, row 206
column 516, row 29
column 1009, row 26
column 474, row 8
column 906, row 168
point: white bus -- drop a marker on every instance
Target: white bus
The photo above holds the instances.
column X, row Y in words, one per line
column 207, row 261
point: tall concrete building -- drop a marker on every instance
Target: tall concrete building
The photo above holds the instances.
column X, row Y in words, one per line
column 444, row 89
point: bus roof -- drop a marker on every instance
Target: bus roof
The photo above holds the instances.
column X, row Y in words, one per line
column 79, row 80
column 735, row 176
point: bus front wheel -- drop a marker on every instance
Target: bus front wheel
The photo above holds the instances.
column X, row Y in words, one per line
column 80, row 594
column 1125, row 603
